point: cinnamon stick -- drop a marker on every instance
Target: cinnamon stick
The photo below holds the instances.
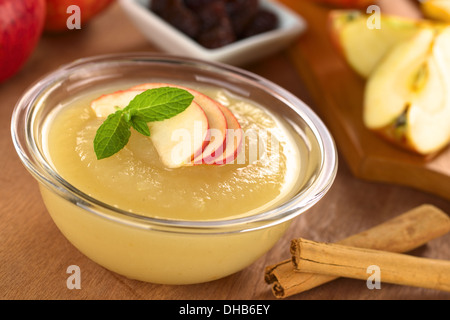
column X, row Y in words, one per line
column 358, row 263
column 403, row 233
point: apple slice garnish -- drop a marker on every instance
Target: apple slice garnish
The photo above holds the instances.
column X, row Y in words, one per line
column 217, row 125
column 216, row 120
column 363, row 47
column 234, row 138
column 106, row 104
column 190, row 126
column 182, row 138
column 407, row 98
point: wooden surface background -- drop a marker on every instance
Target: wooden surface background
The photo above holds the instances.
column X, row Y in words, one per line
column 34, row 255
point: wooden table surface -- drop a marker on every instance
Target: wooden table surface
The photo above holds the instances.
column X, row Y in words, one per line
column 34, row 255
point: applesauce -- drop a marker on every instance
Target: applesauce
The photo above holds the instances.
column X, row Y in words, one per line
column 139, row 219
column 266, row 172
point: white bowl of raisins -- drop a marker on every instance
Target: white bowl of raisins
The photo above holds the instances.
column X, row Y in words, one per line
column 236, row 32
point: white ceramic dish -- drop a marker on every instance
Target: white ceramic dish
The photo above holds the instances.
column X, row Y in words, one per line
column 241, row 52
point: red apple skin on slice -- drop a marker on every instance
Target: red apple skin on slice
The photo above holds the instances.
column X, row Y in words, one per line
column 234, row 138
column 191, row 125
column 216, row 120
column 218, row 128
column 109, row 103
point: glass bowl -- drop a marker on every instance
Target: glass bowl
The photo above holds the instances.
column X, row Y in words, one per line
column 157, row 250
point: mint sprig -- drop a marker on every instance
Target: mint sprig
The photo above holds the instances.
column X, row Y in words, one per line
column 151, row 105
column 112, row 135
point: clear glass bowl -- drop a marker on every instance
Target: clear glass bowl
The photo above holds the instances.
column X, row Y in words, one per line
column 159, row 250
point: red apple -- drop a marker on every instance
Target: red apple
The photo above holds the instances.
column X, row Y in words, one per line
column 21, row 23
column 57, row 14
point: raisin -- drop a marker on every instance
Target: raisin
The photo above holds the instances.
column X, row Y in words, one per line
column 241, row 13
column 263, row 21
column 197, row 4
column 179, row 16
column 216, row 23
column 158, row 7
column 217, row 37
column 236, row 6
column 213, row 14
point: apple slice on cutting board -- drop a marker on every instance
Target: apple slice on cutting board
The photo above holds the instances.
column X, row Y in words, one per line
column 192, row 124
column 217, row 122
column 436, row 9
column 338, row 93
column 407, row 98
column 363, row 47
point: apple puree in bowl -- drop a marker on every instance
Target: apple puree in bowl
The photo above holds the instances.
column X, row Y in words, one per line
column 134, row 179
column 97, row 136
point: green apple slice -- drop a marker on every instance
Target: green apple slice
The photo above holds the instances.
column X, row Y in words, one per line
column 436, row 9
column 428, row 118
column 408, row 93
column 363, row 47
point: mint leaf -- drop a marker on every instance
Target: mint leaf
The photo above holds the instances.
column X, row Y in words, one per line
column 152, row 105
column 140, row 125
column 160, row 103
column 112, row 135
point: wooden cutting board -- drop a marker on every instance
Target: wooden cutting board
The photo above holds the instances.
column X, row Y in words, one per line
column 338, row 93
